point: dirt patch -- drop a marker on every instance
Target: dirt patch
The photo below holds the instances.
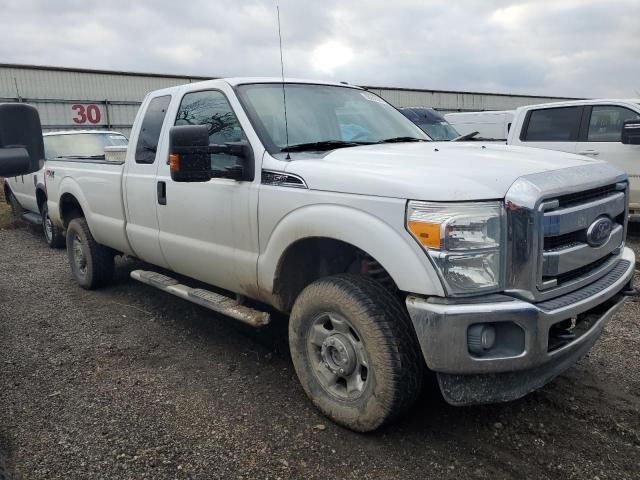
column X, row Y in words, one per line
column 127, row 382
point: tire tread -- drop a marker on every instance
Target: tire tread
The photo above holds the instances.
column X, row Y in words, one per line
column 100, row 256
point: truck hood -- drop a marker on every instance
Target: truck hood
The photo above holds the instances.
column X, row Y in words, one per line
column 439, row 171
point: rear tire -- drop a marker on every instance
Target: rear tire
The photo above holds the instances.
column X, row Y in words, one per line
column 52, row 233
column 92, row 264
column 16, row 208
column 355, row 352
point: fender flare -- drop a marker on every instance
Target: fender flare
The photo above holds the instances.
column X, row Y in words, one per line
column 404, row 260
column 42, row 188
column 68, row 186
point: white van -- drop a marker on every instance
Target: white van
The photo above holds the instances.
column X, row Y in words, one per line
column 491, row 126
column 587, row 127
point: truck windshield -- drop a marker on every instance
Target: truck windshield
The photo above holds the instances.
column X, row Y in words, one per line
column 81, row 144
column 322, row 117
column 432, row 122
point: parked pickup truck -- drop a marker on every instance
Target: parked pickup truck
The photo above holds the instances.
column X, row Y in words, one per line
column 27, row 194
column 497, row 267
column 604, row 129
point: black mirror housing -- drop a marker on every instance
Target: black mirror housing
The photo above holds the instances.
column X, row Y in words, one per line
column 631, row 132
column 189, row 159
column 21, row 145
column 190, row 156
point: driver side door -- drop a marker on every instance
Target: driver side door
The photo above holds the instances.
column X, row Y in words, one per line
column 208, row 230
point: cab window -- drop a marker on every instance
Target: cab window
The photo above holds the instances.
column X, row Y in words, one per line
column 211, row 108
column 553, row 125
column 605, row 124
column 150, row 129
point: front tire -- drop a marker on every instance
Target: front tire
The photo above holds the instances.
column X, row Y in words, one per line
column 92, row 264
column 52, row 233
column 355, row 352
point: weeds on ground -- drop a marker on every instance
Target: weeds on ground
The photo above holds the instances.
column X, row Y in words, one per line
column 7, row 220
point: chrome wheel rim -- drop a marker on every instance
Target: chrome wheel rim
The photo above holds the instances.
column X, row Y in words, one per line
column 79, row 258
column 338, row 357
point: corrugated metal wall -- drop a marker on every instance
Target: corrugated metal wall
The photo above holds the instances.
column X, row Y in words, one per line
column 73, row 98
column 458, row 101
column 67, row 98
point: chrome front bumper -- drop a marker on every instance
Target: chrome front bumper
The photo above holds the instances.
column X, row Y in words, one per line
column 442, row 330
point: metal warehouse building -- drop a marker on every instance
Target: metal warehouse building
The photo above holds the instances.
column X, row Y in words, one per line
column 76, row 98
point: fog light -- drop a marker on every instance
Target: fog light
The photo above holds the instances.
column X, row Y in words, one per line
column 480, row 338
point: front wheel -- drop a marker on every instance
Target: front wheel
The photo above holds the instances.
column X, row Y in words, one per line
column 355, row 351
column 92, row 264
column 52, row 233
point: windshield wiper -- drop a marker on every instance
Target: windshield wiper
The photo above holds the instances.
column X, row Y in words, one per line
column 466, row 136
column 402, row 139
column 324, row 145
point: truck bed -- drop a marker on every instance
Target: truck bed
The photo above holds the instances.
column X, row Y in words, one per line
column 96, row 184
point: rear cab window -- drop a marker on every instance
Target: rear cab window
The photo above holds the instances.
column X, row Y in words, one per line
column 149, row 135
column 561, row 124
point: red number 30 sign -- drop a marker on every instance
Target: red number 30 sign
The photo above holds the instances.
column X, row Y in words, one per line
column 86, row 113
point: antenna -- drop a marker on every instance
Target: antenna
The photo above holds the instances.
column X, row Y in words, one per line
column 284, row 94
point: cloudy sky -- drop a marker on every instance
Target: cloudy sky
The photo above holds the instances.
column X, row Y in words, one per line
column 562, row 47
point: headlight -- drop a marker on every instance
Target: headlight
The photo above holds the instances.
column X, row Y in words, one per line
column 464, row 240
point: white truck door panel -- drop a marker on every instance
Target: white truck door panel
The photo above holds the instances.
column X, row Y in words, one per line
column 24, row 189
column 140, row 182
column 208, row 230
column 603, row 141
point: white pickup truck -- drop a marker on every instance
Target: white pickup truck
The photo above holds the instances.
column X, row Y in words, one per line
column 606, row 129
column 497, row 267
column 27, row 194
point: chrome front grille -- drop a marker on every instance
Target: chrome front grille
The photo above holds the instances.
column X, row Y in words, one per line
column 571, row 257
column 548, row 215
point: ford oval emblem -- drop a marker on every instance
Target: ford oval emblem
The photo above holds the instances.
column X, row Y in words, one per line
column 599, row 231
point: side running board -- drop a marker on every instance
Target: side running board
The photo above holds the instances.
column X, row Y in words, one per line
column 205, row 298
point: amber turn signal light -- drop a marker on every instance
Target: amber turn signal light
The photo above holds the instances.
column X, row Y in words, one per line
column 428, row 234
column 174, row 162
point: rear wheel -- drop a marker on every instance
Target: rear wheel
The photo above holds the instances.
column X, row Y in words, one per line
column 52, row 233
column 355, row 352
column 92, row 264
column 16, row 208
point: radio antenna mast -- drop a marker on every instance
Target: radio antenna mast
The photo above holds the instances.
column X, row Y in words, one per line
column 284, row 94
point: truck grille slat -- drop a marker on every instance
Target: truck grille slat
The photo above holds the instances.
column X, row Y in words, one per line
column 585, row 196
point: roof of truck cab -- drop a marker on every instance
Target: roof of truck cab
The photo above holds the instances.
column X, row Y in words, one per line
column 234, row 81
column 243, row 80
column 593, row 101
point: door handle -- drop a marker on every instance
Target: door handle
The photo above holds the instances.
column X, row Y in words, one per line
column 589, row 152
column 161, row 188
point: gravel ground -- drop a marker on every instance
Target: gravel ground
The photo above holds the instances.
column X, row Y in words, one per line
column 127, row 382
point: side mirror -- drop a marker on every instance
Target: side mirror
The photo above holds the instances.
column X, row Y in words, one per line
column 190, row 156
column 21, row 145
column 631, row 132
